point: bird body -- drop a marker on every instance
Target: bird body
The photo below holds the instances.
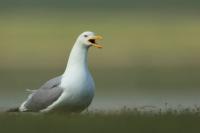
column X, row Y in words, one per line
column 73, row 91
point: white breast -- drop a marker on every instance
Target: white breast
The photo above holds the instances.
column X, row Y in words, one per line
column 78, row 89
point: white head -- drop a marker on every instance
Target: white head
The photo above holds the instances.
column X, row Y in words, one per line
column 89, row 39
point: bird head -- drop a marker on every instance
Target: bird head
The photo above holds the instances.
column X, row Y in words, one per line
column 90, row 39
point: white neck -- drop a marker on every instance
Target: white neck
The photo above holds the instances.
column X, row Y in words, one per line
column 77, row 58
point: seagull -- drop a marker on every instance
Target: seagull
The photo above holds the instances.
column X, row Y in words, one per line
column 73, row 91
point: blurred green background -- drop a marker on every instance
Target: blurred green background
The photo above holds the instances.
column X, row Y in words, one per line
column 150, row 55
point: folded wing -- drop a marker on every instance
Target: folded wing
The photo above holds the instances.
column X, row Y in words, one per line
column 46, row 95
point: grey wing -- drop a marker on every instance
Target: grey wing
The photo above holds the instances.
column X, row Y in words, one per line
column 44, row 96
column 52, row 83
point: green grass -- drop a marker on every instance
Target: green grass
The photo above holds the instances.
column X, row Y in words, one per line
column 128, row 121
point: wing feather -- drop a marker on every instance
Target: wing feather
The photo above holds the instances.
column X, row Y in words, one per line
column 44, row 96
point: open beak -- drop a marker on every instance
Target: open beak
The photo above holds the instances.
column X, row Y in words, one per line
column 94, row 39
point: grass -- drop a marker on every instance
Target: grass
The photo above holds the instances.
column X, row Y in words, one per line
column 117, row 121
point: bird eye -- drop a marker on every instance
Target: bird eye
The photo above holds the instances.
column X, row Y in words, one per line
column 85, row 35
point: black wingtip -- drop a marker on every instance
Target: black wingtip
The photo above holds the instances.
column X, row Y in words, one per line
column 13, row 110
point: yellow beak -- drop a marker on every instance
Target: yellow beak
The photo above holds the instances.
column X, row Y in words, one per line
column 97, row 37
